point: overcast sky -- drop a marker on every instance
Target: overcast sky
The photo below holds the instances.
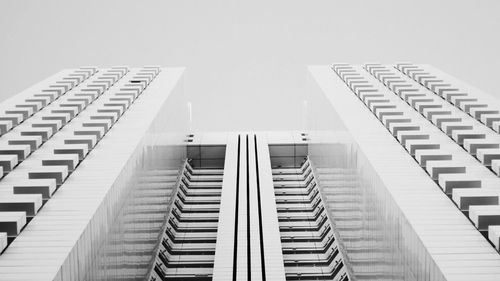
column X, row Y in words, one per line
column 247, row 60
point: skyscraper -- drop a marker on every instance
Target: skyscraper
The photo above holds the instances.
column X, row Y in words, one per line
column 426, row 147
column 397, row 179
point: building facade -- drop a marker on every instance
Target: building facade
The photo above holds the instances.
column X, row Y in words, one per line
column 396, row 179
column 426, row 149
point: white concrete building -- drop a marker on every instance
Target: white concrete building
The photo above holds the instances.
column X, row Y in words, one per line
column 396, row 179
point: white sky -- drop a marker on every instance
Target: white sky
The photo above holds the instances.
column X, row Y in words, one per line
column 247, row 60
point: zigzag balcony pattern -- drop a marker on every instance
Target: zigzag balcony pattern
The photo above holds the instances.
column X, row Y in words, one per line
column 52, row 143
column 187, row 248
column 310, row 250
column 432, row 134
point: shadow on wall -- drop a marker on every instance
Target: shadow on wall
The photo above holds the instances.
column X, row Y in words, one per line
column 372, row 230
column 131, row 222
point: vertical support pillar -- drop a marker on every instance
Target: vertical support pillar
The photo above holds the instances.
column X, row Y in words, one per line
column 243, row 264
column 248, row 238
column 255, row 223
column 225, row 246
column 271, row 239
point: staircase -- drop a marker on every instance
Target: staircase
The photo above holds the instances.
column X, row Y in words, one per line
column 310, row 250
column 187, row 248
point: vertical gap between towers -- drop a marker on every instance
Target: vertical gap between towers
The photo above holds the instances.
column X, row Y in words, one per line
column 261, row 234
column 249, row 246
column 235, row 247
